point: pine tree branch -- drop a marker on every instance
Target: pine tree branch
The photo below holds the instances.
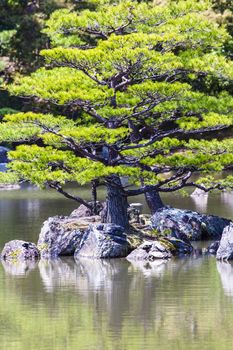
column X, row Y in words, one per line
column 176, row 133
column 58, row 188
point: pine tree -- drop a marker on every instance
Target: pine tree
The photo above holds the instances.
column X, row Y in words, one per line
column 134, row 71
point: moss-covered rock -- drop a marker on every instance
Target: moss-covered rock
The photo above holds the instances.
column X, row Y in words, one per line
column 20, row 250
column 60, row 235
column 103, row 241
column 187, row 225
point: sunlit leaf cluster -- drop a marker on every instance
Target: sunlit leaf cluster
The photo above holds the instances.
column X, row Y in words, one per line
column 134, row 69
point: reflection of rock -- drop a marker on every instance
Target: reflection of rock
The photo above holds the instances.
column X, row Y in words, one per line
column 117, row 290
column 199, row 193
column 149, row 268
column 158, row 268
column 83, row 274
column 103, row 241
column 103, row 284
column 19, row 268
column 226, row 273
column 59, row 236
column 20, row 250
column 188, row 224
column 100, row 274
column 7, row 187
column 58, row 273
column 227, row 199
column 225, row 250
column 201, row 201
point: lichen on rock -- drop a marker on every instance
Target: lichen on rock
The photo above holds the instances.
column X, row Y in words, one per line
column 103, row 241
column 187, row 224
column 60, row 236
column 20, row 250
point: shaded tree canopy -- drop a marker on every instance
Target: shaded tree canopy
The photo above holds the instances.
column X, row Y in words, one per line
column 21, row 39
column 223, row 14
column 132, row 70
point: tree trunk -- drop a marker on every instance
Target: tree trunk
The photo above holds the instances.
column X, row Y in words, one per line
column 154, row 201
column 116, row 204
column 94, row 196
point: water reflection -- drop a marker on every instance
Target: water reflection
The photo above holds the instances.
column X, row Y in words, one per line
column 201, row 202
column 225, row 270
column 152, row 268
column 82, row 274
column 119, row 303
column 97, row 275
column 58, row 273
column 227, row 199
column 19, row 268
column 116, row 304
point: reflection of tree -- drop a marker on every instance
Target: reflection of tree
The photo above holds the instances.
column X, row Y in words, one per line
column 103, row 284
column 99, row 304
column 225, row 270
column 117, row 288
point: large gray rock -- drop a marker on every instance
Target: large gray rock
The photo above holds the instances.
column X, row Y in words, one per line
column 20, row 250
column 225, row 250
column 187, row 224
column 60, row 236
column 103, row 241
column 150, row 251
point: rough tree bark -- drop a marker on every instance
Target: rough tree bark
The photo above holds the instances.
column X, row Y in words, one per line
column 154, row 201
column 94, row 196
column 116, row 204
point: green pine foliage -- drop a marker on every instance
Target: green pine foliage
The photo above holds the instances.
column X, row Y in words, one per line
column 132, row 71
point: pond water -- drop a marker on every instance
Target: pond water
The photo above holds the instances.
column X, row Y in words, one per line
column 111, row 305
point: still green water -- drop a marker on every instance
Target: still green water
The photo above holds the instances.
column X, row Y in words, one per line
column 116, row 305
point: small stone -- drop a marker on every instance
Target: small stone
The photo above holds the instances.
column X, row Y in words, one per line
column 150, row 251
column 20, row 250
